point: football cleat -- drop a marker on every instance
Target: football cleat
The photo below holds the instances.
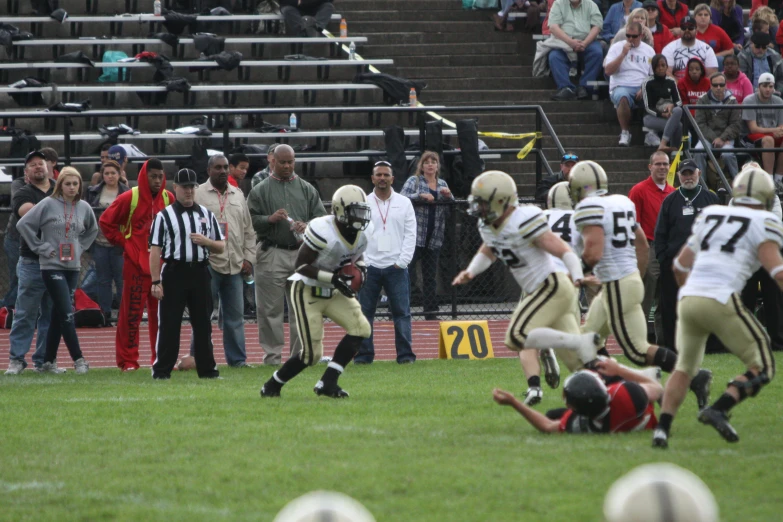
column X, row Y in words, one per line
column 533, row 396
column 720, row 421
column 551, row 368
column 268, row 391
column 330, row 389
column 660, row 439
column 700, row 386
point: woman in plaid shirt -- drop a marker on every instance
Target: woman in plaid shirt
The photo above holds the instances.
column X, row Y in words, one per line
column 426, row 186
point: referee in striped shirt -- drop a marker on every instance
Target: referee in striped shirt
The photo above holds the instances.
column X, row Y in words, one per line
column 183, row 234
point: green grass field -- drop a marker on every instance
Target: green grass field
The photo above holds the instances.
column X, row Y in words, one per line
column 422, row 442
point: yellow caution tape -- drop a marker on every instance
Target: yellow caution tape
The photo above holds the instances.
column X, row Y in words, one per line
column 675, row 163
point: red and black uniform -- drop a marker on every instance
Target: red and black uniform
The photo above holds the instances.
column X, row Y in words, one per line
column 629, row 410
column 137, row 282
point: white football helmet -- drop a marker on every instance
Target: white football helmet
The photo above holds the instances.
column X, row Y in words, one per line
column 660, row 491
column 587, row 178
column 753, row 186
column 559, row 196
column 318, row 506
column 349, row 205
column 491, row 194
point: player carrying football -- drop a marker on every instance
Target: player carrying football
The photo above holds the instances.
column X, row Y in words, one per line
column 727, row 246
column 320, row 289
column 521, row 238
column 615, row 248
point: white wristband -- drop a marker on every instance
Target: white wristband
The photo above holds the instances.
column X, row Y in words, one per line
column 574, row 265
column 479, row 264
column 679, row 267
column 775, row 271
column 324, row 276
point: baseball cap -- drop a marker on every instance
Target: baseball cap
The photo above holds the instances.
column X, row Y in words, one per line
column 760, row 39
column 34, row 154
column 766, row 78
column 650, row 3
column 118, row 153
column 687, row 164
column 185, row 177
column 569, row 157
column 687, row 21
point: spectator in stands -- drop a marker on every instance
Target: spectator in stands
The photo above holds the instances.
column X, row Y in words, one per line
column 120, row 155
column 712, row 34
column 107, row 257
column 693, row 85
column 567, row 162
column 765, row 126
column 32, row 301
column 577, row 23
column 500, row 18
column 727, row 15
column 59, row 229
column 662, row 36
column 280, row 207
column 294, row 10
column 628, row 64
column 680, row 51
column 638, row 15
column 765, row 21
column 616, row 18
column 11, row 247
column 51, row 161
column 97, row 177
column 720, row 126
column 227, row 268
column 126, row 223
column 736, row 82
column 671, row 14
column 261, row 175
column 662, row 106
column 759, row 59
column 676, row 216
column 427, row 187
column 545, row 23
column 648, row 196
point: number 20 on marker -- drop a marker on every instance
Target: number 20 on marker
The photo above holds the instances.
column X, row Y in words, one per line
column 464, row 340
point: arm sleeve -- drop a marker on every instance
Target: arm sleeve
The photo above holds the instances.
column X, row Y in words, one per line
column 674, row 92
column 773, row 231
column 534, row 226
column 90, row 227
column 409, row 237
column 407, row 189
column 20, row 198
column 315, row 238
column 260, row 221
column 726, row 42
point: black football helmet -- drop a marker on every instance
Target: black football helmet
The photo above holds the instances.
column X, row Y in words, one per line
column 586, row 393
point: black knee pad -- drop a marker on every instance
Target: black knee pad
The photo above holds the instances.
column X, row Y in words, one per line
column 665, row 358
column 752, row 386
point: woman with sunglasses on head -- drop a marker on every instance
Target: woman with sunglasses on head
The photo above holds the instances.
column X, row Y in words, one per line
column 107, row 257
column 59, row 229
column 426, row 187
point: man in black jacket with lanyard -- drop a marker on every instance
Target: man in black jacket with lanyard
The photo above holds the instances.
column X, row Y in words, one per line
column 182, row 236
column 678, row 211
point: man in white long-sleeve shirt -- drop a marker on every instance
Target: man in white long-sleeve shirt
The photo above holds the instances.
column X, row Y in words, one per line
column 388, row 254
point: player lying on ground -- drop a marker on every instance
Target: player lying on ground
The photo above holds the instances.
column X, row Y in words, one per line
column 597, row 403
column 727, row 246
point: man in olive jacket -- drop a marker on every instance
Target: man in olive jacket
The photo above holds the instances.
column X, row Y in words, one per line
column 719, row 125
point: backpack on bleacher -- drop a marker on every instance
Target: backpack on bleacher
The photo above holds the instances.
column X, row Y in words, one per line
column 114, row 74
column 269, row 26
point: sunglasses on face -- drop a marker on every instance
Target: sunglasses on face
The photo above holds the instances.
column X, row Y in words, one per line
column 650, row 8
column 631, row 35
column 688, row 28
column 569, row 157
column 719, row 85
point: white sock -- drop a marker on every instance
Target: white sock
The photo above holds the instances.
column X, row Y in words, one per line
column 542, row 338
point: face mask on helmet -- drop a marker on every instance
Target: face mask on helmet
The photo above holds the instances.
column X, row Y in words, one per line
column 481, row 209
column 356, row 216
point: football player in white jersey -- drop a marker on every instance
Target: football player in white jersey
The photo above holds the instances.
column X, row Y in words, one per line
column 521, row 238
column 615, row 248
column 320, row 290
column 727, row 245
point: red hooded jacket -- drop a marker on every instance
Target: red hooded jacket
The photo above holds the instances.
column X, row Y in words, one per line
column 691, row 91
column 116, row 216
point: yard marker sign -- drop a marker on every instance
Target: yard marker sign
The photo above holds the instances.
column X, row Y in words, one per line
column 464, row 340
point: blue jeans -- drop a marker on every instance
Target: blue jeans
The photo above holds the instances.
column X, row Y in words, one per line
column 11, row 247
column 397, row 285
column 61, row 284
column 559, row 64
column 229, row 290
column 32, row 299
column 108, row 267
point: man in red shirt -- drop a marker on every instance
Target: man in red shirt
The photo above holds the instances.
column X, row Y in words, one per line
column 592, row 406
column 648, row 197
column 671, row 13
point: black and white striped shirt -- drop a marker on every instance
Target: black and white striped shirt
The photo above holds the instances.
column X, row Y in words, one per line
column 172, row 228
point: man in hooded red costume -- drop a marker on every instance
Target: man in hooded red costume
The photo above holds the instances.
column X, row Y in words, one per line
column 127, row 223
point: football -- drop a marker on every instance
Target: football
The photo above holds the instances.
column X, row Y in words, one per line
column 354, row 275
column 186, row 363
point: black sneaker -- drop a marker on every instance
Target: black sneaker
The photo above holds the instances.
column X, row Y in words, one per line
column 720, row 421
column 660, row 439
column 564, row 94
column 270, row 390
column 700, row 386
column 330, row 389
column 582, row 94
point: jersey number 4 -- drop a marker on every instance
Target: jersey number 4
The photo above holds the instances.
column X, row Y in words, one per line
column 624, row 225
column 744, row 224
column 562, row 227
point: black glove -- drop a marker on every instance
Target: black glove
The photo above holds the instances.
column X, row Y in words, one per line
column 342, row 284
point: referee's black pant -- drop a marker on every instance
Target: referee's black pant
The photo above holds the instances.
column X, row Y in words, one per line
column 772, row 299
column 185, row 284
